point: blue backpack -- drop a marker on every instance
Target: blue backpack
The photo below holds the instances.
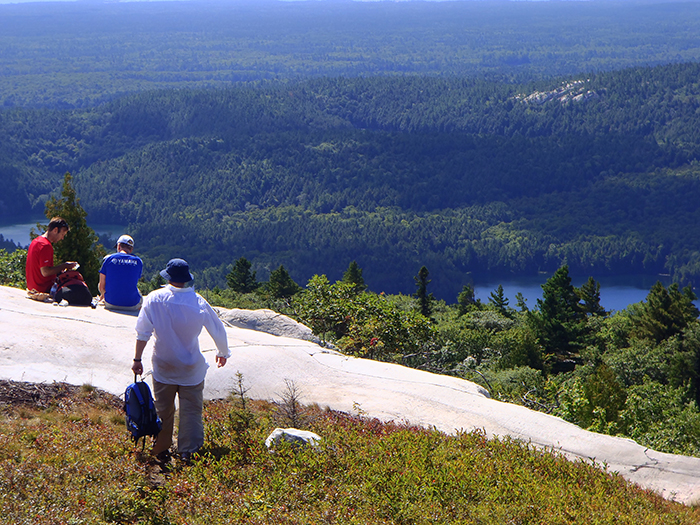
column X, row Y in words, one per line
column 141, row 417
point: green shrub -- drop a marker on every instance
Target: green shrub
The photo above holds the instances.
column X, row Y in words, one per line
column 592, row 398
column 662, row 418
column 12, row 268
column 522, row 385
column 248, row 301
column 361, row 324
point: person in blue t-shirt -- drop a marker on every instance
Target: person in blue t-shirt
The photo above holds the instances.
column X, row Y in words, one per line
column 119, row 275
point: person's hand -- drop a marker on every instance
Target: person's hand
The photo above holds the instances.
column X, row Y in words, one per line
column 137, row 368
column 220, row 361
column 70, row 265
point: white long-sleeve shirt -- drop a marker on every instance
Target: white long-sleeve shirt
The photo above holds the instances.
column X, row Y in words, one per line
column 177, row 316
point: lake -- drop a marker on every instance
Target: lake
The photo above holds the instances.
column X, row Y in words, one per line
column 19, row 233
column 616, row 293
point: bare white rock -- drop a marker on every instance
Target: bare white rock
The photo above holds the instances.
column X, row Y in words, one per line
column 294, row 436
column 267, row 321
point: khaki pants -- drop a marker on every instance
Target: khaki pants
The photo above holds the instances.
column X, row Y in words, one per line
column 190, row 433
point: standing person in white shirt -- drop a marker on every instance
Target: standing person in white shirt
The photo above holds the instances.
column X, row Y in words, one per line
column 177, row 314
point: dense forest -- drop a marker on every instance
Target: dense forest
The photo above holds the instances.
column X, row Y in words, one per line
column 78, row 54
column 598, row 172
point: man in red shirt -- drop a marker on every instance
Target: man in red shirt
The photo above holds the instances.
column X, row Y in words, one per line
column 40, row 270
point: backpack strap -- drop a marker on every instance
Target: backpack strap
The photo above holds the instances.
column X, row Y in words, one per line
column 137, row 391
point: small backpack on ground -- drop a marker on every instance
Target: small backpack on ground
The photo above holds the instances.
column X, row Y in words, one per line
column 71, row 286
column 141, row 417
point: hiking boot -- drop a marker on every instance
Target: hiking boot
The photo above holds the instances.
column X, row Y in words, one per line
column 187, row 457
column 163, row 458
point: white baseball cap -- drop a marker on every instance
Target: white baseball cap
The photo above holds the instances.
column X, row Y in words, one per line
column 126, row 239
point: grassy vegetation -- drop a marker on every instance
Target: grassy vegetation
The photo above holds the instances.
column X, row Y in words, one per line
column 70, row 462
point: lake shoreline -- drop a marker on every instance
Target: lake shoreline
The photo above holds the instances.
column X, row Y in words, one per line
column 617, row 291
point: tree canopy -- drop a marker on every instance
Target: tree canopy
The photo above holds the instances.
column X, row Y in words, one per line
column 81, row 243
column 460, row 174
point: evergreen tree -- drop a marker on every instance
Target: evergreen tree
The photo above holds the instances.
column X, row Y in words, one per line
column 521, row 302
column 146, row 287
column 466, row 300
column 281, row 284
column 353, row 276
column 665, row 312
column 498, row 299
column 589, row 293
column 240, row 279
column 560, row 321
column 425, row 299
column 81, row 243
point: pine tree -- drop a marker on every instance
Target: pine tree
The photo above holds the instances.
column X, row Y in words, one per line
column 281, row 284
column 665, row 312
column 424, row 298
column 499, row 300
column 589, row 293
column 466, row 300
column 81, row 242
column 521, row 302
column 560, row 322
column 240, row 279
column 353, row 275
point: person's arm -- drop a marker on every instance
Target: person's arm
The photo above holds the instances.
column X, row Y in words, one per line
column 48, row 271
column 101, row 286
column 144, row 330
column 137, row 366
column 217, row 331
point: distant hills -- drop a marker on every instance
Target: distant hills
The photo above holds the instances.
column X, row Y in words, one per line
column 461, row 175
column 78, row 54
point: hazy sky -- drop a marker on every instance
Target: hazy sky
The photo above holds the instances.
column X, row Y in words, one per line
column 100, row 1
column 122, row 1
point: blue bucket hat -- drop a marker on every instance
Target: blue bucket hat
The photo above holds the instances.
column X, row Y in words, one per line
column 177, row 271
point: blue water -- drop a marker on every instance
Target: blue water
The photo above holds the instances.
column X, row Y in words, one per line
column 19, row 233
column 616, row 293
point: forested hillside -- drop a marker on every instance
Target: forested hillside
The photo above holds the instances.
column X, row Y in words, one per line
column 461, row 175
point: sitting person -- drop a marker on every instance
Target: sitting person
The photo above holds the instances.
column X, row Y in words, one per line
column 40, row 270
column 119, row 276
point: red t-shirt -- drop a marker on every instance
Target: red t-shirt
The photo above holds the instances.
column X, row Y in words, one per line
column 39, row 254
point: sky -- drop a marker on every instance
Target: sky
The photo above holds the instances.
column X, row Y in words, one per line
column 100, row 1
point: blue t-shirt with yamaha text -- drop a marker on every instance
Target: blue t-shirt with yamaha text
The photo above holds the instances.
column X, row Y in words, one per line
column 122, row 271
